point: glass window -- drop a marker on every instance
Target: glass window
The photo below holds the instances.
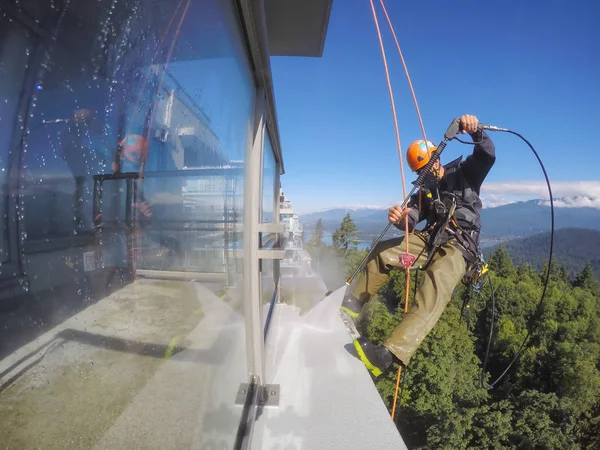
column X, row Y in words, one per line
column 266, row 215
column 131, row 184
column 268, row 182
column 268, row 192
column 16, row 45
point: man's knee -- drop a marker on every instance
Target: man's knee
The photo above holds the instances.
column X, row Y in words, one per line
column 387, row 252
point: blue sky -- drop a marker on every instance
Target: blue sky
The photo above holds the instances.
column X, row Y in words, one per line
column 532, row 66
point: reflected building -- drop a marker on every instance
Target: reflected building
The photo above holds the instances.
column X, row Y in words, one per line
column 142, row 291
column 296, row 260
column 301, row 284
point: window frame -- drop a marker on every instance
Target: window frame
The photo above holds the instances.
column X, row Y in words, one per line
column 12, row 267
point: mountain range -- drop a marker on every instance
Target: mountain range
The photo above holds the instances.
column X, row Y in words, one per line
column 501, row 223
column 573, row 248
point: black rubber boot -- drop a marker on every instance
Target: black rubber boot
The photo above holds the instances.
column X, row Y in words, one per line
column 352, row 306
column 377, row 358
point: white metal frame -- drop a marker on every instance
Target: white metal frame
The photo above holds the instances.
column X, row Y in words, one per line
column 252, row 14
column 252, row 305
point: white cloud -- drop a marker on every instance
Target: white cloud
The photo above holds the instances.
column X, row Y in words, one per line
column 573, row 202
column 348, row 207
column 355, row 207
column 493, row 200
column 538, row 189
column 566, row 193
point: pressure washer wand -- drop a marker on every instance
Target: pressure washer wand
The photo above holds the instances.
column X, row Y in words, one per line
column 450, row 134
column 491, row 128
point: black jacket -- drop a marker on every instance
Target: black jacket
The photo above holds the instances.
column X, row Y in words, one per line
column 463, row 179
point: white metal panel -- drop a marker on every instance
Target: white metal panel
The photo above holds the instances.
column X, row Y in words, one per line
column 327, row 397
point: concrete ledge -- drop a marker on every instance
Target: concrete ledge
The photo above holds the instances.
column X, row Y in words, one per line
column 327, row 397
column 183, row 276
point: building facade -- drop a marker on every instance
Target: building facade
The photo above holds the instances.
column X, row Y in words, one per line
column 140, row 163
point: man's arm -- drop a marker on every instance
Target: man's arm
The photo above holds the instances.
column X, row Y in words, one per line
column 411, row 213
column 478, row 164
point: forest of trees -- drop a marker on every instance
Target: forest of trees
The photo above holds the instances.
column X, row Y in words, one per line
column 549, row 399
column 573, row 248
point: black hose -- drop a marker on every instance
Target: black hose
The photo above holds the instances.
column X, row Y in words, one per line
column 489, row 344
column 536, row 317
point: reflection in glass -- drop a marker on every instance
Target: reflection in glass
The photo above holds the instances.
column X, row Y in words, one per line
column 15, row 54
column 268, row 182
column 268, row 240
column 131, row 181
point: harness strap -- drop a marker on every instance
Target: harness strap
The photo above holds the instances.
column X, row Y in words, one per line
column 441, row 232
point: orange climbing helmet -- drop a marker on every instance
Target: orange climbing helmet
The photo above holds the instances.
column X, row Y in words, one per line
column 419, row 153
column 135, row 148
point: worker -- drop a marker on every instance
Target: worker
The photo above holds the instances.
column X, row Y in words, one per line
column 446, row 249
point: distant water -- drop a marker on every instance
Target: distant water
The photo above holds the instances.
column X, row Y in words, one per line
column 328, row 240
column 364, row 245
column 486, row 244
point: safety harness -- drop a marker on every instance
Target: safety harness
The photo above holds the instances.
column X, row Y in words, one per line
column 445, row 230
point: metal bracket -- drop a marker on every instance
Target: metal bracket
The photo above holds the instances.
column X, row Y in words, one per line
column 271, row 227
column 271, row 253
column 268, row 396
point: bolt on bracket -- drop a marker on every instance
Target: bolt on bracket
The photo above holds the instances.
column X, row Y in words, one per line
column 268, row 396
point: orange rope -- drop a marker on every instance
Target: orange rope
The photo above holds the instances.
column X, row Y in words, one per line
column 389, row 83
column 407, row 283
column 412, row 91
column 136, row 104
column 147, row 137
column 162, row 79
column 147, row 75
column 396, row 393
column 405, row 69
column 406, row 293
column 387, row 75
